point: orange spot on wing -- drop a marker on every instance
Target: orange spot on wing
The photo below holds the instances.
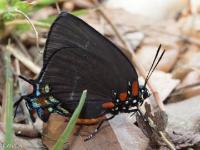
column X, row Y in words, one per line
column 135, row 88
column 108, row 105
column 123, row 96
column 41, row 101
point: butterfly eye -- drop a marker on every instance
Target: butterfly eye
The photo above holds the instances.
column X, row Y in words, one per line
column 145, row 93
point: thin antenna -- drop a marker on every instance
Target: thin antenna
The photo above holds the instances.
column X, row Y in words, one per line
column 157, row 63
column 150, row 72
column 153, row 61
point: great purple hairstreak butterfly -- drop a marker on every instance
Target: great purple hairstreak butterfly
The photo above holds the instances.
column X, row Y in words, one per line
column 77, row 57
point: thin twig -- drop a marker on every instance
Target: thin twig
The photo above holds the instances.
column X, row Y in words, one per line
column 131, row 55
column 186, row 38
column 196, row 69
column 20, row 21
column 58, row 8
column 23, row 59
column 184, row 89
column 169, row 144
column 21, row 46
column 118, row 34
column 32, row 25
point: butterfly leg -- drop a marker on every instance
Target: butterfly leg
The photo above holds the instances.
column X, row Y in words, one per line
column 16, row 105
column 133, row 111
column 98, row 127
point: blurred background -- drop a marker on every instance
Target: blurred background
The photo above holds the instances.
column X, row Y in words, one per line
column 143, row 25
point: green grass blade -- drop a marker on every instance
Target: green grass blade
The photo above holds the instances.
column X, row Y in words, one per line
column 8, row 117
column 70, row 126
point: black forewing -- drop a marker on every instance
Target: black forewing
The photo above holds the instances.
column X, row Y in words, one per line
column 77, row 57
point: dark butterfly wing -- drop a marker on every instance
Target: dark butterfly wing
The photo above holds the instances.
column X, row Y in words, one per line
column 70, row 31
column 77, row 57
column 72, row 70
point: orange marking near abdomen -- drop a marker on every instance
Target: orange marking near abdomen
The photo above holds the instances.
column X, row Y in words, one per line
column 135, row 88
column 108, row 105
column 41, row 101
column 89, row 121
column 123, row 96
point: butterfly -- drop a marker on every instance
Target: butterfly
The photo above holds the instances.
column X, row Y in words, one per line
column 77, row 57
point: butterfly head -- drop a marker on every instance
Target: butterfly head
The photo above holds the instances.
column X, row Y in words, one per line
column 144, row 92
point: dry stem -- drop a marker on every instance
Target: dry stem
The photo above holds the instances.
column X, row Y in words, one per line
column 21, row 46
column 58, row 8
column 32, row 25
column 23, row 59
column 170, row 146
column 20, row 21
column 186, row 38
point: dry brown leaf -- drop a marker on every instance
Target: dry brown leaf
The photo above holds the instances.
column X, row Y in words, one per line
column 185, row 140
column 187, row 62
column 128, row 135
column 190, row 25
column 53, row 129
column 56, row 125
column 143, row 124
column 185, row 89
column 184, row 115
column 191, row 78
column 160, row 120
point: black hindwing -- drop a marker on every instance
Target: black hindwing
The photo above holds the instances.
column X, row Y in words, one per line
column 77, row 57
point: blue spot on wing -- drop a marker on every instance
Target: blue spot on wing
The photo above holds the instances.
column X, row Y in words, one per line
column 37, row 90
column 38, row 93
